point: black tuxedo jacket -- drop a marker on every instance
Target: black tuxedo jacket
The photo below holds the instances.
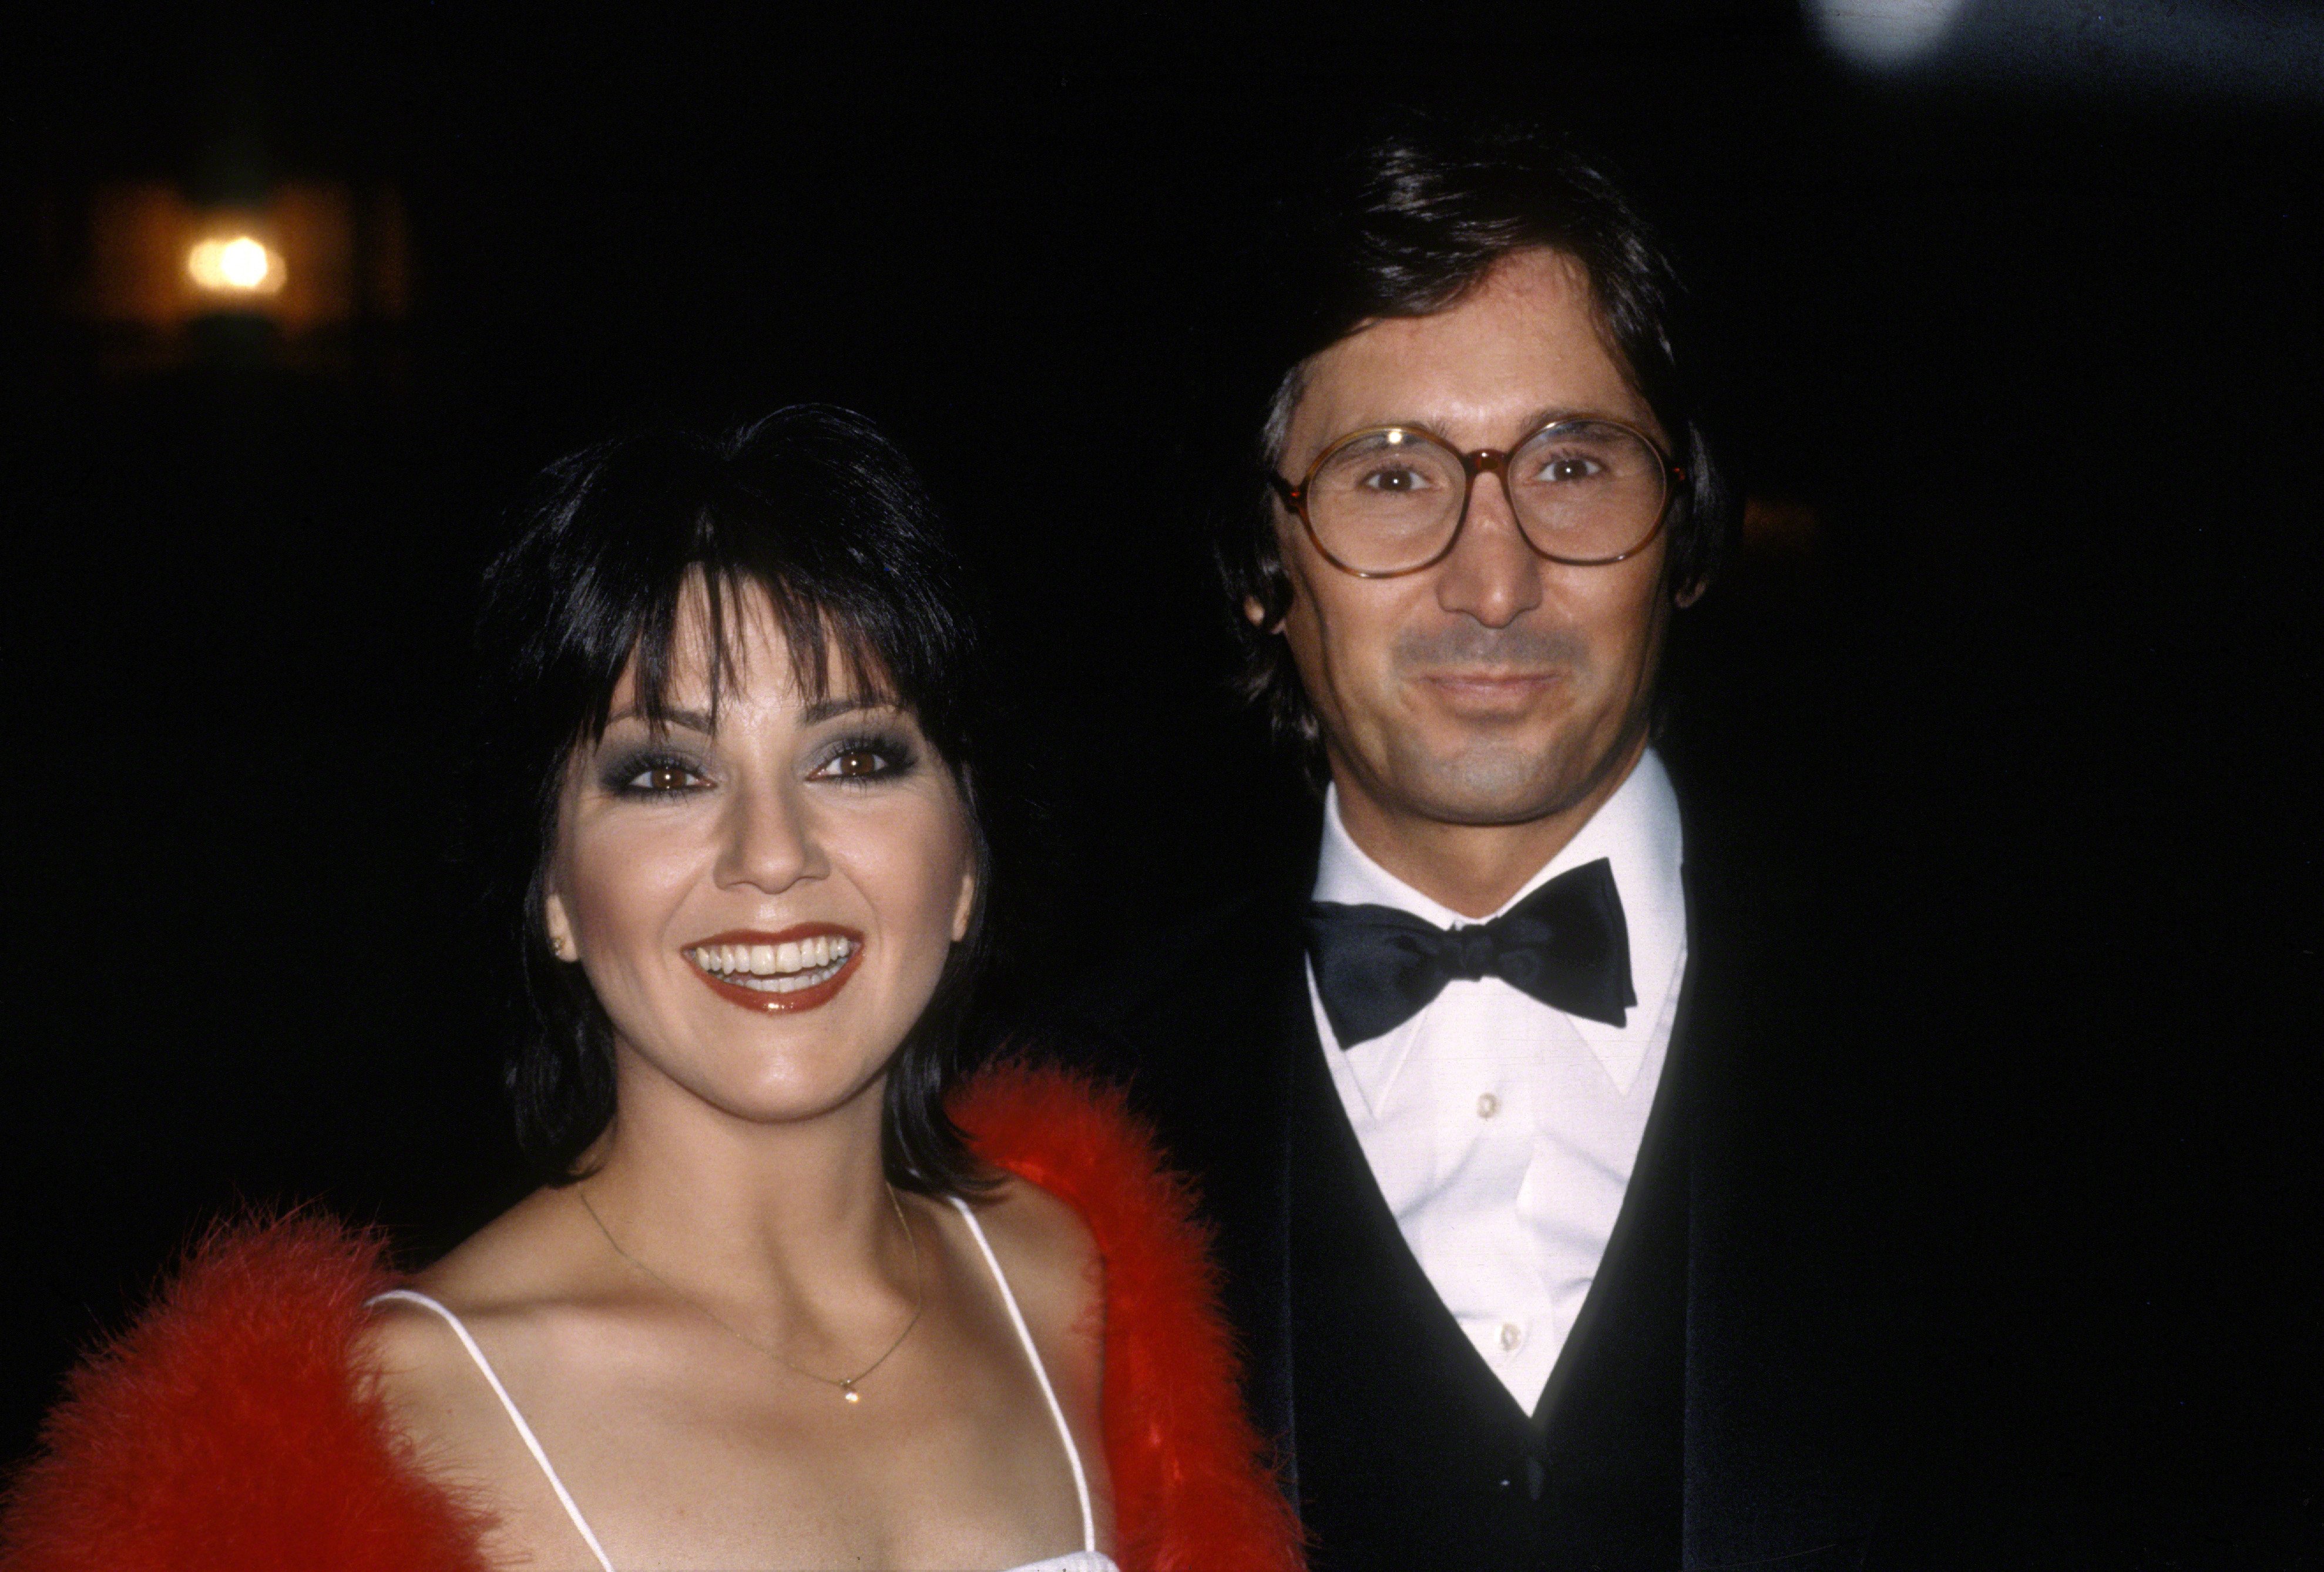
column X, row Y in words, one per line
column 1710, row 1409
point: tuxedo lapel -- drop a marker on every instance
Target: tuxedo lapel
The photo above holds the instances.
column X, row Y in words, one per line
column 1774, row 1404
column 1411, row 1453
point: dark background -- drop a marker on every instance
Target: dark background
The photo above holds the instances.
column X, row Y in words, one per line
column 2017, row 355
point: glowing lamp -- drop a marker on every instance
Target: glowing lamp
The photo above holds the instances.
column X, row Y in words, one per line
column 239, row 264
column 321, row 265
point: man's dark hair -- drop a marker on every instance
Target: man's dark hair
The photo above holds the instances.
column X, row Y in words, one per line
column 816, row 510
column 1414, row 222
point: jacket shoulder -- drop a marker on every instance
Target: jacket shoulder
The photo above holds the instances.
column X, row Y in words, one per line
column 1193, row 1485
column 229, row 1428
column 1175, row 1016
column 1214, row 960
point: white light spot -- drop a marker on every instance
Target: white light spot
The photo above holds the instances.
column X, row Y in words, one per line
column 244, row 263
column 236, row 264
column 1885, row 34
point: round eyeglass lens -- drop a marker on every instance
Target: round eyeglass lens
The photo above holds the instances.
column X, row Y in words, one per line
column 1387, row 500
column 1587, row 491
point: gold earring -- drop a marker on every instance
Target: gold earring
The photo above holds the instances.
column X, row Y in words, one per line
column 560, row 931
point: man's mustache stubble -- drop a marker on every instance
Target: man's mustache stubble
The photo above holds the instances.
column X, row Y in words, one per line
column 1469, row 646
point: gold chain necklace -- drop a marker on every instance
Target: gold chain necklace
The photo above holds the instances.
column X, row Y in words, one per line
column 847, row 1385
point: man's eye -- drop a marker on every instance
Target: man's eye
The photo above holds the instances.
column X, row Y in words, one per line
column 1396, row 478
column 1568, row 467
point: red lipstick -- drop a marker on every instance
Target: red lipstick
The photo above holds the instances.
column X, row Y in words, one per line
column 714, row 961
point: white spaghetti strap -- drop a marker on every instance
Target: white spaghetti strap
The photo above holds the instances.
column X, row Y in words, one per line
column 1056, row 1413
column 532, row 1443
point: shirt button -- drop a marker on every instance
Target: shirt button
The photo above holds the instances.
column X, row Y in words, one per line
column 1512, row 1335
column 1488, row 1106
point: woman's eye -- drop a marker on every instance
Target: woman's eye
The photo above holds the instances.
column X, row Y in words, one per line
column 662, row 777
column 856, row 763
column 867, row 759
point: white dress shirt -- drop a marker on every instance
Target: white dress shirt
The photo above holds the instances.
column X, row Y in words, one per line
column 1503, row 1131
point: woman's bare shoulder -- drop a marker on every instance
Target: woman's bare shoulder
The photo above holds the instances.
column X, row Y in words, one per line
column 418, row 1366
column 505, row 1270
column 1047, row 1251
column 515, row 1286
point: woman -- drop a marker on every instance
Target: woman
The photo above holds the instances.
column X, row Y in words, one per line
column 772, row 1307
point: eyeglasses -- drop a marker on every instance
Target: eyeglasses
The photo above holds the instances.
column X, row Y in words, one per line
column 1390, row 500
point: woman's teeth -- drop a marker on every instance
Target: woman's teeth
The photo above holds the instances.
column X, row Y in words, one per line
column 783, row 968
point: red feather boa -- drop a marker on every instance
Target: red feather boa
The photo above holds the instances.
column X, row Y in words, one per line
column 226, row 1431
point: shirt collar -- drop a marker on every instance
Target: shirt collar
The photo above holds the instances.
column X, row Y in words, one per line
column 1635, row 831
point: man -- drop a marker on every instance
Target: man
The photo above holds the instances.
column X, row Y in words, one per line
column 1516, row 1222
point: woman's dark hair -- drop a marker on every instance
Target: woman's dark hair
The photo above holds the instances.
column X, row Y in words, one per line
column 1408, row 225
column 812, row 508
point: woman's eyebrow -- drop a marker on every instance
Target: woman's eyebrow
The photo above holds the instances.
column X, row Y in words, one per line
column 813, row 714
column 823, row 710
column 690, row 719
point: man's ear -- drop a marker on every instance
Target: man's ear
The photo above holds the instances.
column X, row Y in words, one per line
column 1255, row 610
column 559, row 922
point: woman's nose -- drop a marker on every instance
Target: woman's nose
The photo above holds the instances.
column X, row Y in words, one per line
column 770, row 841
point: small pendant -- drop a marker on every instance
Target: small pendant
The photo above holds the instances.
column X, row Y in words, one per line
column 847, row 1392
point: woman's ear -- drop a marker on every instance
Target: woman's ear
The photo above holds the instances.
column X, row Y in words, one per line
column 559, row 922
column 965, row 907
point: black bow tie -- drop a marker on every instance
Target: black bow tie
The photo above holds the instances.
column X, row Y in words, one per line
column 1565, row 944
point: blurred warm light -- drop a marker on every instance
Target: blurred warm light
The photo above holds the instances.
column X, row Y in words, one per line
column 316, row 260
column 242, row 265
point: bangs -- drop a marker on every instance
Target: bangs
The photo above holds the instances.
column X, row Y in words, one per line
column 825, row 648
column 843, row 557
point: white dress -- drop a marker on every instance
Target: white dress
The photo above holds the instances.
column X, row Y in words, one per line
column 1088, row 1559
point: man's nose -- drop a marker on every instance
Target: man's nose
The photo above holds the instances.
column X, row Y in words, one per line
column 770, row 840
column 1491, row 573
